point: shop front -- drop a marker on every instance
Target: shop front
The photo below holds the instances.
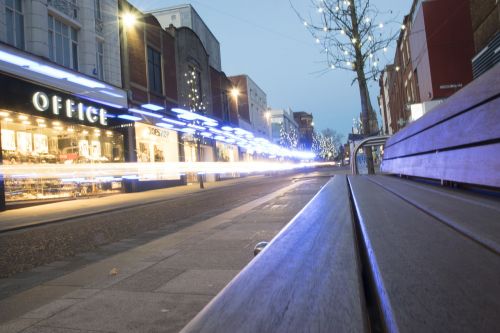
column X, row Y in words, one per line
column 40, row 126
column 227, row 153
column 191, row 155
column 157, row 151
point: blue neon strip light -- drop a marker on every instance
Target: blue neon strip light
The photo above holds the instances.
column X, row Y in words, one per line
column 147, row 113
column 129, row 117
column 153, row 107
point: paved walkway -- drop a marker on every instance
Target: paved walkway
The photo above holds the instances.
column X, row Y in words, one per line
column 57, row 211
column 157, row 286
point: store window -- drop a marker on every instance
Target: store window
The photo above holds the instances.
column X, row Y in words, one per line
column 27, row 139
column 97, row 9
column 154, row 71
column 14, row 22
column 100, row 60
column 156, row 145
column 63, row 43
column 226, row 152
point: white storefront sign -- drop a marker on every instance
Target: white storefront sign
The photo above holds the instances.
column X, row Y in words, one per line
column 69, row 108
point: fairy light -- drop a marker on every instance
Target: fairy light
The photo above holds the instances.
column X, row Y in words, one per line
column 325, row 29
column 317, row 40
column 305, row 23
column 403, row 27
column 381, row 25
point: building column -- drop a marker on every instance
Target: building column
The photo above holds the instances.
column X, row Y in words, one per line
column 36, row 27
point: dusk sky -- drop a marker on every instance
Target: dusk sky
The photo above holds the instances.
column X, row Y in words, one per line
column 265, row 40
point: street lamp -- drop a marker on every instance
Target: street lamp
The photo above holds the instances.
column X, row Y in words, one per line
column 129, row 19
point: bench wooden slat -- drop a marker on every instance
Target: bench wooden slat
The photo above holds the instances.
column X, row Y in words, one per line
column 306, row 280
column 475, row 126
column 430, row 277
column 478, row 165
column 479, row 90
column 477, row 217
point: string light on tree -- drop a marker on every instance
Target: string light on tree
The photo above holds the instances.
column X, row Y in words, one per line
column 355, row 42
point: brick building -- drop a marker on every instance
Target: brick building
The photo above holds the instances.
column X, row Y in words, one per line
column 485, row 15
column 432, row 60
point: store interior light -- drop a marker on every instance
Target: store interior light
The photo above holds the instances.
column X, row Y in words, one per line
column 152, row 107
column 227, row 128
column 147, row 113
column 206, row 134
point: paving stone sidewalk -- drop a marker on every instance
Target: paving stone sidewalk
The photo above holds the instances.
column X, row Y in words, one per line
column 153, row 286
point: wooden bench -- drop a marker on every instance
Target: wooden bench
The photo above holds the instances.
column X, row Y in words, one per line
column 383, row 253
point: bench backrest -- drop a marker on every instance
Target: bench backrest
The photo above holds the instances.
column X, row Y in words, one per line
column 458, row 141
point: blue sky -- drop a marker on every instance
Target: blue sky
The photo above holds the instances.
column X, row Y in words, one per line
column 265, row 40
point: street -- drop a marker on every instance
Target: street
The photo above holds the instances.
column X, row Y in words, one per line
column 149, row 263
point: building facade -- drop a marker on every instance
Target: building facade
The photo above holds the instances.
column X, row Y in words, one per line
column 150, row 77
column 69, row 33
column 61, row 100
column 252, row 106
column 282, row 120
column 431, row 62
column 306, row 129
column 186, row 16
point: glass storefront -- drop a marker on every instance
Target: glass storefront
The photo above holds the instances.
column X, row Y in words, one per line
column 191, row 155
column 226, row 152
column 156, row 145
column 30, row 139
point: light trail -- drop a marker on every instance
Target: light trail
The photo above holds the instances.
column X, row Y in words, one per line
column 102, row 172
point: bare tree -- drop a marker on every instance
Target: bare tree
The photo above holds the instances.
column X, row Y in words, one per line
column 352, row 37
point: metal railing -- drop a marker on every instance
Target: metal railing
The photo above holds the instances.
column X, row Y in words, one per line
column 368, row 142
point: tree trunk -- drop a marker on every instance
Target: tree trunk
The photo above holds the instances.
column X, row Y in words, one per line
column 368, row 117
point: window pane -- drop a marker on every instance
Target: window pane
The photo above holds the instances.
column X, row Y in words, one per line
column 19, row 7
column 59, row 52
column 51, row 45
column 75, row 56
column 9, row 3
column 101, row 67
column 64, row 29
column 66, row 52
column 74, row 34
column 20, row 31
column 51, row 23
column 9, row 15
column 58, row 26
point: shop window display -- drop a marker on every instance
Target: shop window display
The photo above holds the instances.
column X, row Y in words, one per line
column 156, row 145
column 28, row 139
